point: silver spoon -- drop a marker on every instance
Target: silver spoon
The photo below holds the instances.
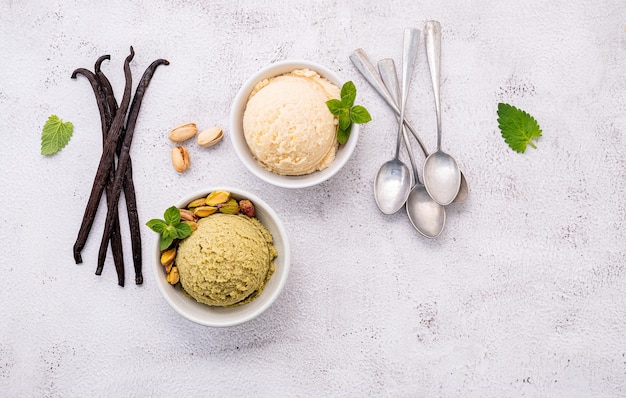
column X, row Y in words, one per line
column 363, row 63
column 427, row 216
column 393, row 181
column 442, row 176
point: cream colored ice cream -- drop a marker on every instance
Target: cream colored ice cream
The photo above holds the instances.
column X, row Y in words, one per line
column 227, row 261
column 287, row 124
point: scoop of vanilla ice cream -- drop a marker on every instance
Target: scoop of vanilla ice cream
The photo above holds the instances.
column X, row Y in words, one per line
column 287, row 124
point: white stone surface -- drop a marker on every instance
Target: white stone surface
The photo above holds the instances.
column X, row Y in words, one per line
column 522, row 295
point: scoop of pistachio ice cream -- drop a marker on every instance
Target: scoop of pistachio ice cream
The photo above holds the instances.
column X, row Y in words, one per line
column 287, row 124
column 227, row 261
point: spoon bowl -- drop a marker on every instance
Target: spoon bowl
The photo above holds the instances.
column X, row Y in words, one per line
column 463, row 194
column 427, row 216
column 442, row 177
column 391, row 186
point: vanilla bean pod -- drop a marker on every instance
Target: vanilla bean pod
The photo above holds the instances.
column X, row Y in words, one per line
column 110, row 108
column 124, row 157
column 106, row 161
column 133, row 222
column 97, row 90
column 129, row 186
column 107, row 89
column 105, row 121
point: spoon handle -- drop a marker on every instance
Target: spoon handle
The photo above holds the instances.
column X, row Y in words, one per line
column 432, row 38
column 409, row 54
column 364, row 65
column 389, row 76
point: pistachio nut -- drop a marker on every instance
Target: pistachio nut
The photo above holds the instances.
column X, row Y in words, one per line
column 210, row 137
column 192, row 224
column 230, row 207
column 246, row 207
column 173, row 276
column 187, row 215
column 180, row 158
column 182, row 132
column 197, row 203
column 204, row 211
column 217, row 197
column 168, row 256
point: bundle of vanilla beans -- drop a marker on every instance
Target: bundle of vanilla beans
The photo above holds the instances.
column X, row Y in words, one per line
column 118, row 125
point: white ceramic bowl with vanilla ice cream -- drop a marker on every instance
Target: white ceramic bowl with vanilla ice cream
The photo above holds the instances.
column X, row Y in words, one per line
column 287, row 136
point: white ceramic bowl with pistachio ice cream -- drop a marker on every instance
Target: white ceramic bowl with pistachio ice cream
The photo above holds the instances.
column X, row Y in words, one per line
column 281, row 128
column 231, row 268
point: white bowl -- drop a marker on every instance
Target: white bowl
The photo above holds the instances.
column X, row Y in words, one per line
column 219, row 316
column 241, row 147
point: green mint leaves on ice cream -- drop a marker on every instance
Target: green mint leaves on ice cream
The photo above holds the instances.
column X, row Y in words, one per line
column 170, row 228
column 346, row 112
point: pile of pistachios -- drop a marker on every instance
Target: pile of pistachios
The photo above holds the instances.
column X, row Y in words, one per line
column 185, row 131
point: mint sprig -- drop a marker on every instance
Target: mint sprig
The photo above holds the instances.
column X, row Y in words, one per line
column 170, row 228
column 346, row 112
column 55, row 135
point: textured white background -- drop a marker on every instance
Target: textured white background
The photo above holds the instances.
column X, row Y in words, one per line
column 522, row 295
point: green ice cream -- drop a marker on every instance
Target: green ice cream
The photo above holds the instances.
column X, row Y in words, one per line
column 227, row 261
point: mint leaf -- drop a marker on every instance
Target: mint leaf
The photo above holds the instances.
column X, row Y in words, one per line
column 348, row 94
column 183, row 230
column 55, row 135
column 335, row 106
column 170, row 232
column 157, row 225
column 359, row 115
column 164, row 242
column 346, row 112
column 518, row 128
column 344, row 122
column 171, row 228
column 343, row 135
column 172, row 215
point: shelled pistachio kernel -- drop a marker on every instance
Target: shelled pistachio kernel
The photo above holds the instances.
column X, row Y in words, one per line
column 230, row 207
column 204, row 211
column 247, row 208
column 168, row 256
column 193, row 225
column 196, row 203
column 217, row 197
column 172, row 276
